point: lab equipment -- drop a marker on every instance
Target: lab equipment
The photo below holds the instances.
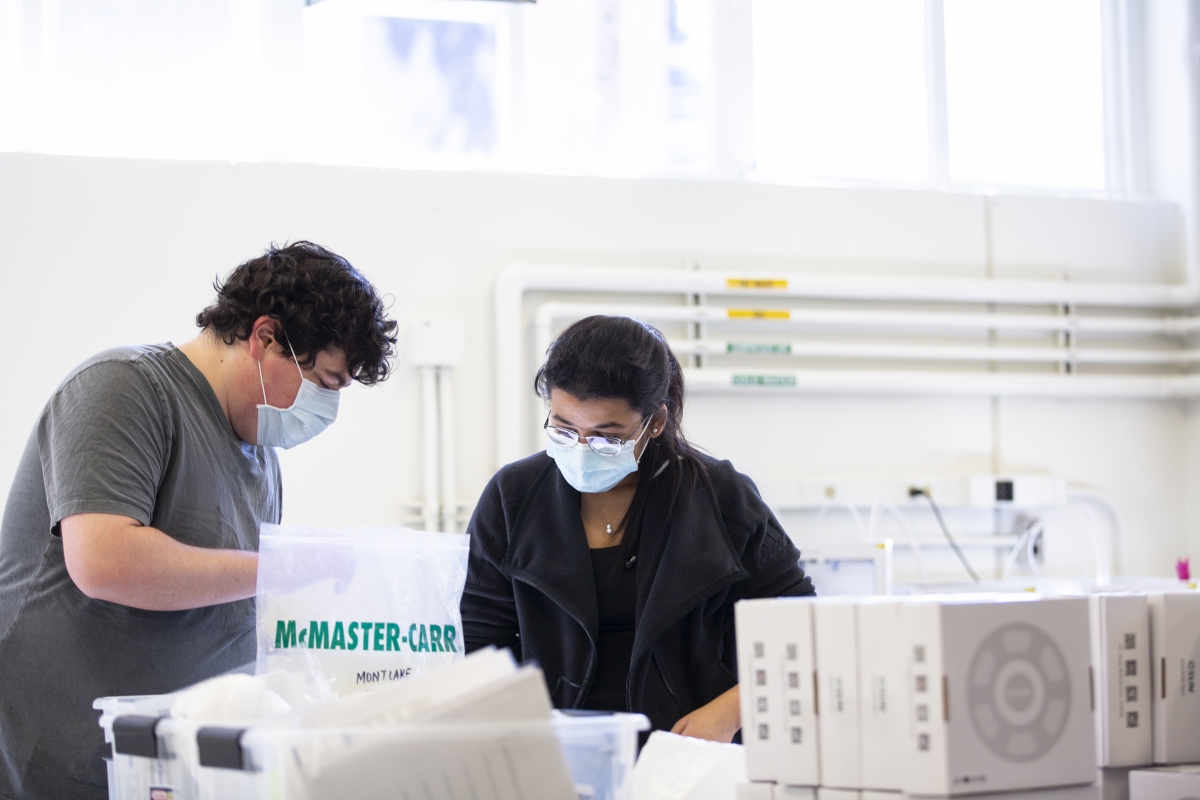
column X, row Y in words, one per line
column 845, row 567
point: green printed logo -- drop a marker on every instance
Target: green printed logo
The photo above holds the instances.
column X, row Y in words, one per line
column 764, row 380
column 378, row 636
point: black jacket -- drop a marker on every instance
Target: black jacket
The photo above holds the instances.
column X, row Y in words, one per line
column 530, row 585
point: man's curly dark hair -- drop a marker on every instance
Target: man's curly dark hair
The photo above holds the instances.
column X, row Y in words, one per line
column 319, row 301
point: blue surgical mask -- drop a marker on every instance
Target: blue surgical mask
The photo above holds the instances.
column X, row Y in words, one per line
column 590, row 472
column 313, row 410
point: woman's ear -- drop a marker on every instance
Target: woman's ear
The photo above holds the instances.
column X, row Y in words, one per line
column 658, row 422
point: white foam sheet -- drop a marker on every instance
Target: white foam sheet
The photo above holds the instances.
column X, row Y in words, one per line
column 674, row 767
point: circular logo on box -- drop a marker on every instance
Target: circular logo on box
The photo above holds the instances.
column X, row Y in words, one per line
column 1018, row 692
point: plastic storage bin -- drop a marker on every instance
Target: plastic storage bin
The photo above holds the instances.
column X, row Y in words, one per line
column 157, row 757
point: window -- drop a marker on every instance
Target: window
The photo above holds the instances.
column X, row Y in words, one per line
column 986, row 92
column 965, row 92
column 130, row 78
column 1024, row 91
column 425, row 79
column 616, row 86
column 840, row 89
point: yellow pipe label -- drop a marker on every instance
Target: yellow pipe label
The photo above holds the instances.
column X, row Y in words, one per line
column 759, row 313
column 755, row 283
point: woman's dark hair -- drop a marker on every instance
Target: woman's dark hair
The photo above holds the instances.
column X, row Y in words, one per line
column 319, row 301
column 621, row 358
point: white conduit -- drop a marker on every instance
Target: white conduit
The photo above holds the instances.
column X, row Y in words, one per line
column 516, row 280
column 429, row 404
column 909, row 352
column 957, row 384
column 449, row 492
column 547, row 313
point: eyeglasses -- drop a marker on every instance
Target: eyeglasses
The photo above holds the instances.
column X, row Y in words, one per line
column 604, row 445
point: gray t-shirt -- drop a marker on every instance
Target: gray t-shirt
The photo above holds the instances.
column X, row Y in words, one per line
column 135, row 431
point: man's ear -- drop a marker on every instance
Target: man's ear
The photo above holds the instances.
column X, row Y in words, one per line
column 263, row 336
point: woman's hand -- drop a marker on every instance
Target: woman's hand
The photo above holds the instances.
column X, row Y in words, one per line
column 718, row 721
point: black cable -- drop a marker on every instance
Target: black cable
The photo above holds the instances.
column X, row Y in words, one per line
column 913, row 492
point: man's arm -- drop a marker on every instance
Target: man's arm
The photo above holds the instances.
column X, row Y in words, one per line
column 116, row 558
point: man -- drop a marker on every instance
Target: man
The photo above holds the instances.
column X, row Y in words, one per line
column 128, row 546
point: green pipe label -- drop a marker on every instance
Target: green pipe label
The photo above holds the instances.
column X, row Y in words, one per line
column 778, row 381
column 753, row 348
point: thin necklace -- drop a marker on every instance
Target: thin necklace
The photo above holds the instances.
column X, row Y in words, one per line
column 607, row 525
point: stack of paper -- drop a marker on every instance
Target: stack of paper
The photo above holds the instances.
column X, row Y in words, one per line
column 484, row 732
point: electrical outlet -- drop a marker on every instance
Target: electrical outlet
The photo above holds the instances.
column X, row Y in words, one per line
column 1017, row 491
column 1025, row 492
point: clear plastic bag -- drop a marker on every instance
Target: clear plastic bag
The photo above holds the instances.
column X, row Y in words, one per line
column 368, row 605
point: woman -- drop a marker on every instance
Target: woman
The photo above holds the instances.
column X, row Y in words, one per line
column 615, row 558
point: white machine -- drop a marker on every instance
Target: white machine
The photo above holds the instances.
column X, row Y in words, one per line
column 844, row 567
column 1121, row 664
column 1000, row 695
column 776, row 669
column 1175, row 653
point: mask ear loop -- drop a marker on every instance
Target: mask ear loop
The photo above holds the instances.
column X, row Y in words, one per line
column 294, row 359
column 638, row 460
column 262, row 384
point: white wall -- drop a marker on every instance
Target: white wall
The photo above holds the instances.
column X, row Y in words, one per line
column 99, row 252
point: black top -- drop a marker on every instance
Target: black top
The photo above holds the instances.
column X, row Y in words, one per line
column 616, row 598
column 531, row 585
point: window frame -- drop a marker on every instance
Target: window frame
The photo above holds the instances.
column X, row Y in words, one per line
column 1124, row 134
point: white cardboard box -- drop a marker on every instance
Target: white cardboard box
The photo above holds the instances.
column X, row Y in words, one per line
column 1114, row 783
column 1000, row 695
column 1120, row 626
column 1175, row 653
column 755, row 790
column 883, row 692
column 770, row 791
column 1165, row 783
column 776, row 674
column 828, row 793
column 835, row 633
column 783, row 792
column 876, row 794
column 1088, row 791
